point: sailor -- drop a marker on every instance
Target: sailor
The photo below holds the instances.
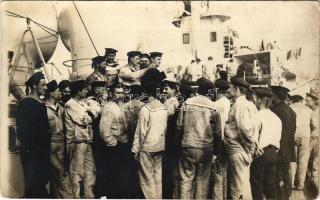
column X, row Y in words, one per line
column 144, row 60
column 64, row 87
column 95, row 95
column 33, row 133
column 113, row 132
column 153, row 74
column 239, row 139
column 185, row 92
column 131, row 73
column 179, row 73
column 193, row 71
column 219, row 161
column 170, row 169
column 312, row 101
column 99, row 73
column 197, row 142
column 78, row 123
column 209, row 69
column 131, row 110
column 170, row 89
column 110, row 56
column 286, row 153
column 302, row 139
column 95, row 99
column 155, row 58
column 149, row 142
column 263, row 170
column 60, row 180
column 112, row 69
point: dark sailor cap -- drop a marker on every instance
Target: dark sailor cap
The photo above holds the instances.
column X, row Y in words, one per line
column 64, row 84
column 262, row 91
column 52, row 86
column 222, row 84
column 133, row 53
column 35, row 78
column 77, row 85
column 155, row 54
column 239, row 82
column 110, row 51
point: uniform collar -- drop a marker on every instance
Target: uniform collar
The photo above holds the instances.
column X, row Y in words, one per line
column 53, row 107
column 99, row 74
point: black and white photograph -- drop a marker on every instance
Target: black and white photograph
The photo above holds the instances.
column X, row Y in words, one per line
column 160, row 100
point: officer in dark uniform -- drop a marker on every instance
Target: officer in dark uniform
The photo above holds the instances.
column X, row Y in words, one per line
column 33, row 133
column 286, row 153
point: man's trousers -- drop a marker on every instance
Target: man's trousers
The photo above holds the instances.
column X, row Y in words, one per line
column 150, row 174
column 194, row 166
column 82, row 168
column 263, row 173
column 303, row 154
column 60, row 180
column 239, row 175
column 36, row 173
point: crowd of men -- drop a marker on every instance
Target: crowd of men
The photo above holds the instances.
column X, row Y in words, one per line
column 128, row 132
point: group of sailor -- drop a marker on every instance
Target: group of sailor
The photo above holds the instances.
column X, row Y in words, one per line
column 130, row 132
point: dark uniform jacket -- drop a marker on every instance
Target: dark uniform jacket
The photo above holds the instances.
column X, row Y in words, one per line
column 33, row 133
column 33, row 126
column 287, row 143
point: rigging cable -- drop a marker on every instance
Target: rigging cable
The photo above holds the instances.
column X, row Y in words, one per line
column 315, row 78
column 43, row 27
column 85, row 28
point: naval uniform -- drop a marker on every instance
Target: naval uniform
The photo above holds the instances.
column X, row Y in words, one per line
column 130, row 75
column 112, row 71
column 286, row 154
column 79, row 139
column 60, row 184
column 33, row 133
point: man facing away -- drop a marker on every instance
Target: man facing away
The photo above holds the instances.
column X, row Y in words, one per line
column 199, row 124
column 33, row 133
column 219, row 160
column 263, row 171
column 302, row 139
column 313, row 166
column 239, row 140
column 286, row 153
column 149, row 140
